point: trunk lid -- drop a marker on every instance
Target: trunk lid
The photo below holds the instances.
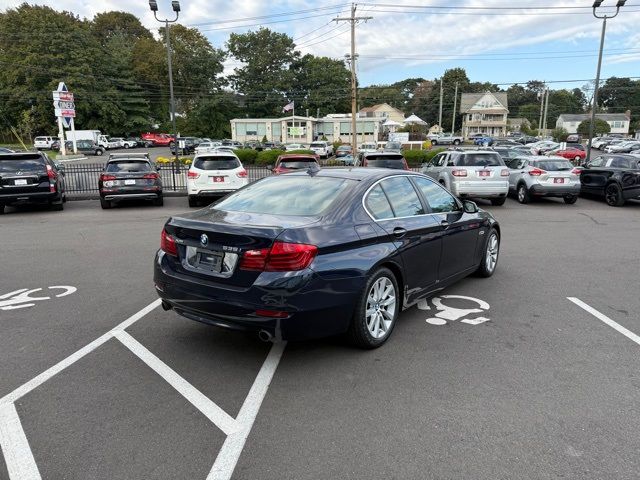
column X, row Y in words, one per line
column 23, row 174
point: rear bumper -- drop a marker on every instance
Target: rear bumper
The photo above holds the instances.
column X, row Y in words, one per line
column 211, row 193
column 314, row 307
column 552, row 191
column 124, row 193
column 25, row 198
column 480, row 189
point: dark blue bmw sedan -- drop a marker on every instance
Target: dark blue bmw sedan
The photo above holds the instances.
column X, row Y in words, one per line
column 319, row 253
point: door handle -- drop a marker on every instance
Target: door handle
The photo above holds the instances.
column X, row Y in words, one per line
column 444, row 224
column 399, row 232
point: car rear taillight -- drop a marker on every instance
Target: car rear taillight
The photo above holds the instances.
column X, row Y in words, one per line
column 281, row 257
column 536, row 172
column 242, row 174
column 576, row 171
column 168, row 244
column 504, row 173
column 104, row 177
column 151, row 176
column 459, row 173
column 192, row 174
column 50, row 173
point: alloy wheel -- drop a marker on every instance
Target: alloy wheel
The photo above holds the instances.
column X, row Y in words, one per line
column 381, row 307
column 611, row 195
column 521, row 194
column 491, row 258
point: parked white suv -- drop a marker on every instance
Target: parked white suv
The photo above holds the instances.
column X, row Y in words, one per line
column 321, row 148
column 44, row 143
column 214, row 174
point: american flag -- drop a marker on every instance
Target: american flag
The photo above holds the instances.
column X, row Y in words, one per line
column 288, row 106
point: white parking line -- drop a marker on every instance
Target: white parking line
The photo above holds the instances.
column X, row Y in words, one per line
column 228, row 456
column 600, row 316
column 213, row 412
column 15, row 446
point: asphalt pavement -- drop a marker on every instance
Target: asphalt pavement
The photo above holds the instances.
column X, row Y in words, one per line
column 525, row 384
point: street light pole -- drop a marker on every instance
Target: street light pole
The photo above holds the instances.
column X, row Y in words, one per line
column 604, row 18
column 175, row 5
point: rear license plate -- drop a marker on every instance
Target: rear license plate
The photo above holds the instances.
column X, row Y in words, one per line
column 129, row 182
column 209, row 261
column 558, row 180
column 217, row 179
column 485, row 173
column 20, row 181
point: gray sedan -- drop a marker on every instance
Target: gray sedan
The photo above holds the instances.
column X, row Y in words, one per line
column 536, row 177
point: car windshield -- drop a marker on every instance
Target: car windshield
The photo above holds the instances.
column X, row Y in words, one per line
column 553, row 165
column 128, row 166
column 297, row 163
column 25, row 164
column 286, row 195
column 480, row 160
column 216, row 163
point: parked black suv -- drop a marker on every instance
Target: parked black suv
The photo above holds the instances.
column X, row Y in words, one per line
column 32, row 177
column 186, row 146
column 128, row 177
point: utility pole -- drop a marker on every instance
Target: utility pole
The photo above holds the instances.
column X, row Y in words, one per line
column 440, row 114
column 541, row 112
column 604, row 18
column 353, row 19
column 455, row 106
column 546, row 111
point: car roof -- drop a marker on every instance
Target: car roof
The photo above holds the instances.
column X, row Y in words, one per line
column 23, row 154
column 359, row 173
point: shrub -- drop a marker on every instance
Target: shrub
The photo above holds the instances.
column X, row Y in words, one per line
column 415, row 158
column 560, row 134
column 268, row 157
column 264, row 139
column 246, row 156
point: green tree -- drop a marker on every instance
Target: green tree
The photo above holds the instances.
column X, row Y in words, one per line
column 106, row 25
column 321, row 83
column 266, row 78
column 601, row 127
column 559, row 134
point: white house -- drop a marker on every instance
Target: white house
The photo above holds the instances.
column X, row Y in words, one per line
column 619, row 122
column 305, row 129
column 484, row 113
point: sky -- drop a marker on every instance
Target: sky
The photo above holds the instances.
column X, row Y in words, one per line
column 498, row 41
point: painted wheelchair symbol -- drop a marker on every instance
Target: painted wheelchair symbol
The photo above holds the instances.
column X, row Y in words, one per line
column 22, row 298
column 446, row 313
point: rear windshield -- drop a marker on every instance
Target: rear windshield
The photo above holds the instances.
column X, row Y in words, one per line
column 480, row 160
column 344, row 147
column 14, row 165
column 286, row 195
column 297, row 164
column 40, row 139
column 217, row 163
column 316, row 144
column 553, row 165
column 128, row 166
column 386, row 163
column 393, row 146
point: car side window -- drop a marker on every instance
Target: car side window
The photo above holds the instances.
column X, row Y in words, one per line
column 438, row 160
column 437, row 197
column 402, row 196
column 377, row 204
column 451, row 162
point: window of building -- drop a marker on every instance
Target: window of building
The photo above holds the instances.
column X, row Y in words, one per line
column 241, row 128
column 345, row 128
column 252, row 128
column 276, row 130
column 262, row 129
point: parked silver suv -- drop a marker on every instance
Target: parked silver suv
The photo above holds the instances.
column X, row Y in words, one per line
column 471, row 173
column 535, row 176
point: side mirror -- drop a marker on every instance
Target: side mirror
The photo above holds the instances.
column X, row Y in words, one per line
column 470, row 207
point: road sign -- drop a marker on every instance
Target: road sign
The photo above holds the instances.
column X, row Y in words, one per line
column 63, row 103
column 66, row 121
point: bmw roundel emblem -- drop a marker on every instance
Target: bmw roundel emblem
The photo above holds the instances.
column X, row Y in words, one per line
column 204, row 240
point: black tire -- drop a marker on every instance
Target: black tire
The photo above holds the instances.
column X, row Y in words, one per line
column 456, row 142
column 522, row 193
column 434, row 142
column 99, row 152
column 570, row 199
column 498, row 201
column 105, row 204
column 158, row 202
column 193, row 202
column 358, row 332
column 126, row 145
column 613, row 195
column 57, row 206
column 484, row 269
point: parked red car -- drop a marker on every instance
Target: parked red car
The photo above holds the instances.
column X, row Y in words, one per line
column 569, row 153
column 158, row 139
column 295, row 161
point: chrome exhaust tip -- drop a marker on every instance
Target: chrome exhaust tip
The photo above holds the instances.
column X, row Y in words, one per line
column 265, row 336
